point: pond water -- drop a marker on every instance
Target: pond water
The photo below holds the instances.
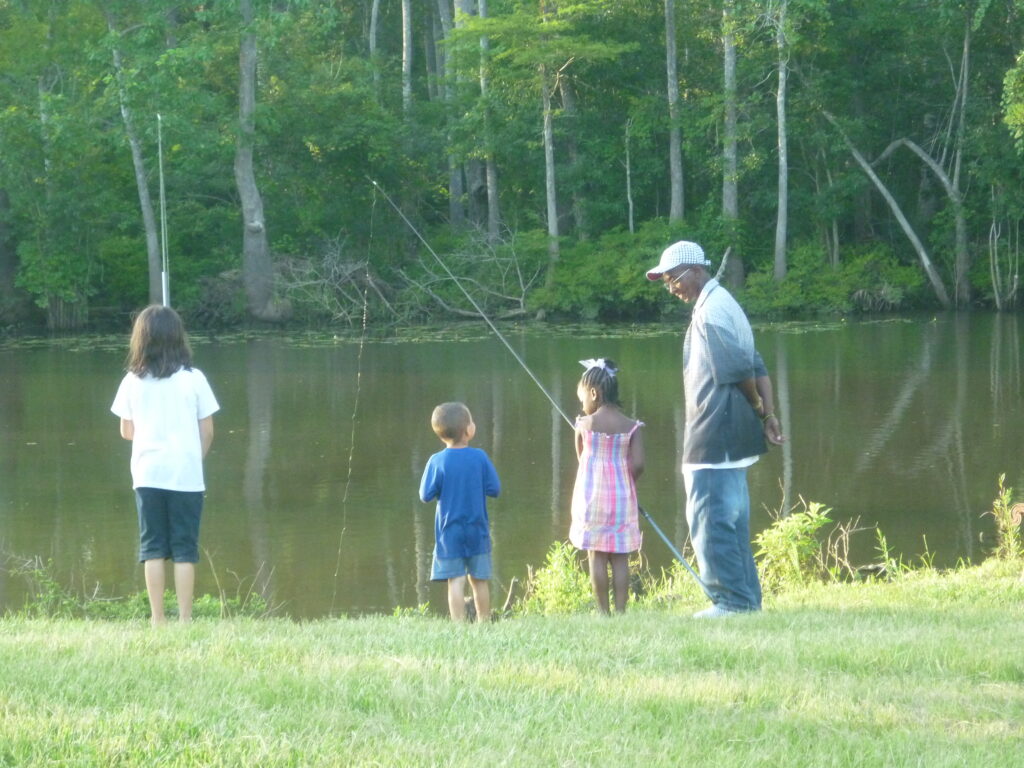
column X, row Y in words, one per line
column 905, row 424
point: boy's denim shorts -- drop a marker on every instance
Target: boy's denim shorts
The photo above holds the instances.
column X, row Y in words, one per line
column 477, row 566
column 169, row 524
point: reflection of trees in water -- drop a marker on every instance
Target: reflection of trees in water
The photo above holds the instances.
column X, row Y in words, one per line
column 682, row 533
column 945, row 456
column 558, row 428
column 422, row 533
column 1004, row 363
column 782, row 405
column 10, row 424
column 888, row 427
column 260, row 383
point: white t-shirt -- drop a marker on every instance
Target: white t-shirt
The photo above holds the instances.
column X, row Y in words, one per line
column 165, row 413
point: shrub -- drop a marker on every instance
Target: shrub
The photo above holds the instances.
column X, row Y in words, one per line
column 560, row 586
column 869, row 281
column 788, row 551
column 603, row 279
column 1008, row 521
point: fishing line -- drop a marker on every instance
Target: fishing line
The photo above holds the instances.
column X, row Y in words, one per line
column 476, row 306
column 355, row 406
column 525, row 367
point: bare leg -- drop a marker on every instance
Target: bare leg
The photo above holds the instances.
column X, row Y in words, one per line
column 599, row 578
column 482, row 598
column 154, row 570
column 620, row 579
column 184, row 585
column 457, row 598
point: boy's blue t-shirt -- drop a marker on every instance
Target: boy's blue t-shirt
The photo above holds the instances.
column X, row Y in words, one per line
column 460, row 479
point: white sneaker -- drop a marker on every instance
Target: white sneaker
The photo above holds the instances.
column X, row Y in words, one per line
column 715, row 612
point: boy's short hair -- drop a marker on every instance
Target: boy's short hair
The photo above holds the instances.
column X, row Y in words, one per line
column 450, row 420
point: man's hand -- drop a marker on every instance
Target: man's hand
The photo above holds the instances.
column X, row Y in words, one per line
column 773, row 430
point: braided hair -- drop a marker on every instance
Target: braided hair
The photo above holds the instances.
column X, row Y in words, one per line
column 602, row 377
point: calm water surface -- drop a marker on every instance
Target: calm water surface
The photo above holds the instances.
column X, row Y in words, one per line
column 313, row 475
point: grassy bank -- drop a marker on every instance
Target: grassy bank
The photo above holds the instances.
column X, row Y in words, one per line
column 924, row 670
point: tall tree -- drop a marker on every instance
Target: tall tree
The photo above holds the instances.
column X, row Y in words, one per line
column 675, row 151
column 779, row 20
column 407, row 51
column 257, row 266
column 456, row 187
column 154, row 258
column 730, row 169
column 490, row 164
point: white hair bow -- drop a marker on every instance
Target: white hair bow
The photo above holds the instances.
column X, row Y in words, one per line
column 598, row 363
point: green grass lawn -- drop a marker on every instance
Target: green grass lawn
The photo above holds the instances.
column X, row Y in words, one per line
column 926, row 670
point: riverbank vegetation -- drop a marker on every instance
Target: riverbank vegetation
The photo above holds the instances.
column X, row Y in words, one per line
column 852, row 156
column 901, row 665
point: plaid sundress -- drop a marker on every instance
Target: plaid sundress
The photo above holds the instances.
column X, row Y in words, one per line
column 604, row 503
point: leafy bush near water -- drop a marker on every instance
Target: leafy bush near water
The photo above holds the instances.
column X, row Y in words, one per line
column 602, row 280
column 869, row 281
column 788, row 551
column 560, row 586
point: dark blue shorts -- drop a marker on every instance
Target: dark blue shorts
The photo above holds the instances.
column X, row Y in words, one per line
column 445, row 568
column 169, row 524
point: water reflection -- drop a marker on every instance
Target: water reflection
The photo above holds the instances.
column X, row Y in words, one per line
column 319, row 450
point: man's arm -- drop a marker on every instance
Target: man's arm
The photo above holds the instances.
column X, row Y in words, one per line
column 772, row 428
column 127, row 429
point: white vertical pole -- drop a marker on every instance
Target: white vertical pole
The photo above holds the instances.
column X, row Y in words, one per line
column 165, row 275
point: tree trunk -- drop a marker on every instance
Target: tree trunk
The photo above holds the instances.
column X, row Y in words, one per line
column 962, row 263
column 579, row 212
column 629, row 177
column 475, row 175
column 782, row 215
column 456, row 188
column 257, row 269
column 407, row 47
column 153, row 256
column 730, row 172
column 491, row 167
column 926, row 263
column 371, row 42
column 8, row 262
column 550, row 186
column 675, row 151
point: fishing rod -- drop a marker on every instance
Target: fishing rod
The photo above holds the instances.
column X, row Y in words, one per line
column 525, row 367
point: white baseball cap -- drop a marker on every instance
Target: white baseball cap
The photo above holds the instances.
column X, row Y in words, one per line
column 677, row 254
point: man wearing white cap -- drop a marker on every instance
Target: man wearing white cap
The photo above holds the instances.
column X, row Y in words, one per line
column 729, row 417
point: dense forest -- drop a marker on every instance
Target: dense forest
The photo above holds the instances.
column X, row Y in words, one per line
column 314, row 161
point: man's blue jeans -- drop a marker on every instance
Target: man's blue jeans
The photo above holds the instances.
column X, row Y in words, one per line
column 718, row 513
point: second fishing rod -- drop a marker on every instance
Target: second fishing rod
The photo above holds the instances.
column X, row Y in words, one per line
column 476, row 306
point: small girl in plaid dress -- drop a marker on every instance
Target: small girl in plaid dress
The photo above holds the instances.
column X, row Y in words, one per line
column 610, row 450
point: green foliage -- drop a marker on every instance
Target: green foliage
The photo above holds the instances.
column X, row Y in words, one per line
column 328, row 115
column 1008, row 517
column 788, row 551
column 603, row 279
column 560, row 586
column 866, row 281
column 1013, row 102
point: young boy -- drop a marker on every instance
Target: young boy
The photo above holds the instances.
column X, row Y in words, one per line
column 460, row 477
